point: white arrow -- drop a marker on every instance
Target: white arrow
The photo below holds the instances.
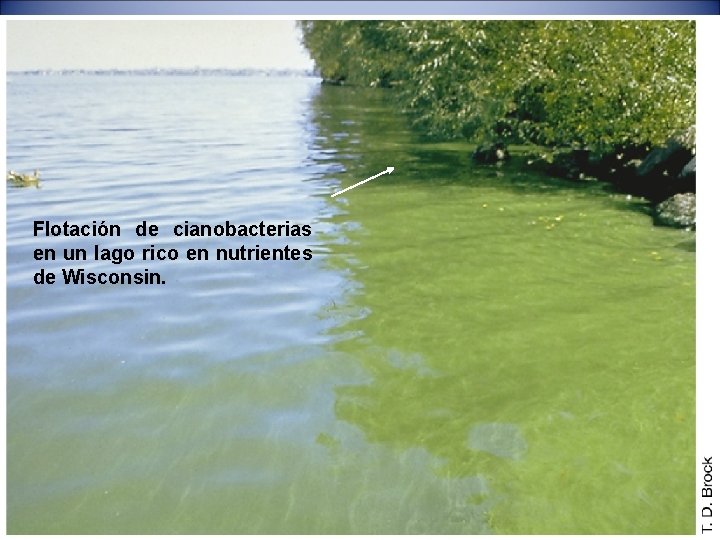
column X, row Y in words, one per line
column 386, row 171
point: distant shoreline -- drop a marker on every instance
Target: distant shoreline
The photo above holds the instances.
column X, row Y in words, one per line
column 194, row 72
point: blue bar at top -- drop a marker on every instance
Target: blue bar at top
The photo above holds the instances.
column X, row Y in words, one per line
column 356, row 7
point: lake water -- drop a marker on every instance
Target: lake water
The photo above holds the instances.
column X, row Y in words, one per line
column 469, row 350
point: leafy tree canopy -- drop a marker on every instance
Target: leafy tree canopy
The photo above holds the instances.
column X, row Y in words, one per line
column 582, row 84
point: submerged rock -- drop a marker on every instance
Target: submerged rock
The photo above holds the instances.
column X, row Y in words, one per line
column 677, row 211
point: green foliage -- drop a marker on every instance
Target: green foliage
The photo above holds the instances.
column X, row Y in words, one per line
column 361, row 52
column 585, row 84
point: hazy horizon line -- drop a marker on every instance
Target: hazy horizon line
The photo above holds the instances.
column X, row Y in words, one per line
column 165, row 71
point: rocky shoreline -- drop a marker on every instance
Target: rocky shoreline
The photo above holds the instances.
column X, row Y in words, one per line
column 663, row 175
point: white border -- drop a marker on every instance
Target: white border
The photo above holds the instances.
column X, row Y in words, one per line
column 708, row 267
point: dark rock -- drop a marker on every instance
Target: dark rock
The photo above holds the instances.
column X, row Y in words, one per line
column 658, row 176
column 689, row 169
column 491, row 153
column 618, row 167
column 665, row 160
column 571, row 165
column 677, row 211
column 333, row 82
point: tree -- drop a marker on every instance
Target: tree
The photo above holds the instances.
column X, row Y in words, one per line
column 582, row 84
